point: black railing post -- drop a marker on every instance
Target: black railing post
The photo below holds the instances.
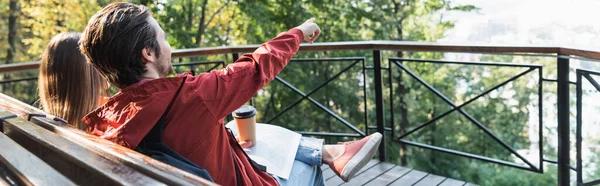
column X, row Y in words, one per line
column 379, row 101
column 235, row 56
column 564, row 132
column 578, row 139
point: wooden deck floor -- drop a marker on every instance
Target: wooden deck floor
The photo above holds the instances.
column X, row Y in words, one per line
column 378, row 173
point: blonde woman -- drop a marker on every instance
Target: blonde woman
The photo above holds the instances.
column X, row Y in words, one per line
column 69, row 87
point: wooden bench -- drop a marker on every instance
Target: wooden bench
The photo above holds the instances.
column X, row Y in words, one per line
column 43, row 151
column 19, row 166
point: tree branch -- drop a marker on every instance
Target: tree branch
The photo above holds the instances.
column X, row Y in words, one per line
column 190, row 11
column 214, row 14
column 201, row 24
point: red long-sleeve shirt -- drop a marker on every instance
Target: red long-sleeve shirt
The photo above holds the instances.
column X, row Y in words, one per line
column 194, row 125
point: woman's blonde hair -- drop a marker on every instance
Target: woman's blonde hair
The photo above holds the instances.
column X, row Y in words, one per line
column 69, row 87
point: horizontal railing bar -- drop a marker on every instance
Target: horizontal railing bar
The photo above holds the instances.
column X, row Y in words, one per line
column 372, row 68
column 396, row 46
column 336, row 59
column 549, row 55
column 469, row 155
column 595, row 182
column 579, row 58
column 556, row 162
column 589, row 72
column 568, row 52
column 198, row 63
column 17, row 80
column 551, row 161
column 329, row 134
column 375, row 127
column 587, row 53
column 555, row 81
column 19, row 66
column 465, row 62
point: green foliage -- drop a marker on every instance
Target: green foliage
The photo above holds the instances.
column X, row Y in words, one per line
column 203, row 23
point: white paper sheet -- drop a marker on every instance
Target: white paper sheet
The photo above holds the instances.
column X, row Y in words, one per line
column 276, row 148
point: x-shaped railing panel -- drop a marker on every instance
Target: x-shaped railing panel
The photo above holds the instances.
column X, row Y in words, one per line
column 307, row 96
column 581, row 74
column 530, row 68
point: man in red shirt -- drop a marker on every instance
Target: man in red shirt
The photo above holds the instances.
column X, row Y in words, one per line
column 128, row 47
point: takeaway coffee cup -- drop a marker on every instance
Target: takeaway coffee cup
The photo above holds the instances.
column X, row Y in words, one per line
column 245, row 119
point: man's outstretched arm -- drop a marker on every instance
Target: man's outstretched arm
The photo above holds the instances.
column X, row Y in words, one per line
column 225, row 90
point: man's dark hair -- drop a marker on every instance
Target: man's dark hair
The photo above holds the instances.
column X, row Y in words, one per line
column 113, row 41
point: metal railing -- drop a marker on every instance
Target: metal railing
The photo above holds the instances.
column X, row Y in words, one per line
column 307, row 96
column 191, row 65
column 26, row 83
column 581, row 76
column 398, row 62
column 561, row 54
column 30, row 82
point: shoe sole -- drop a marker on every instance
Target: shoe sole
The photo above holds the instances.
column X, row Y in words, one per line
column 359, row 160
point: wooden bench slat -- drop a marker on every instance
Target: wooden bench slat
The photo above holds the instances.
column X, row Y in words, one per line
column 156, row 169
column 5, row 177
column 430, row 180
column 370, row 174
column 146, row 165
column 21, row 109
column 79, row 164
column 389, row 176
column 4, row 182
column 28, row 168
column 409, row 178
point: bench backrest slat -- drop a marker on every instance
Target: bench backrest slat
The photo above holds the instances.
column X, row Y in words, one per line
column 81, row 165
column 3, row 182
column 26, row 167
column 78, row 155
column 17, row 107
column 156, row 169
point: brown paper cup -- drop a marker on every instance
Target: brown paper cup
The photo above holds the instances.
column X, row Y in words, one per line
column 247, row 129
column 245, row 119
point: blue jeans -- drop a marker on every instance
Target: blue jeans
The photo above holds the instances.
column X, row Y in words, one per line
column 307, row 164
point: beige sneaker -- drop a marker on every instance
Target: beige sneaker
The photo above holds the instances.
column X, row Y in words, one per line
column 356, row 155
